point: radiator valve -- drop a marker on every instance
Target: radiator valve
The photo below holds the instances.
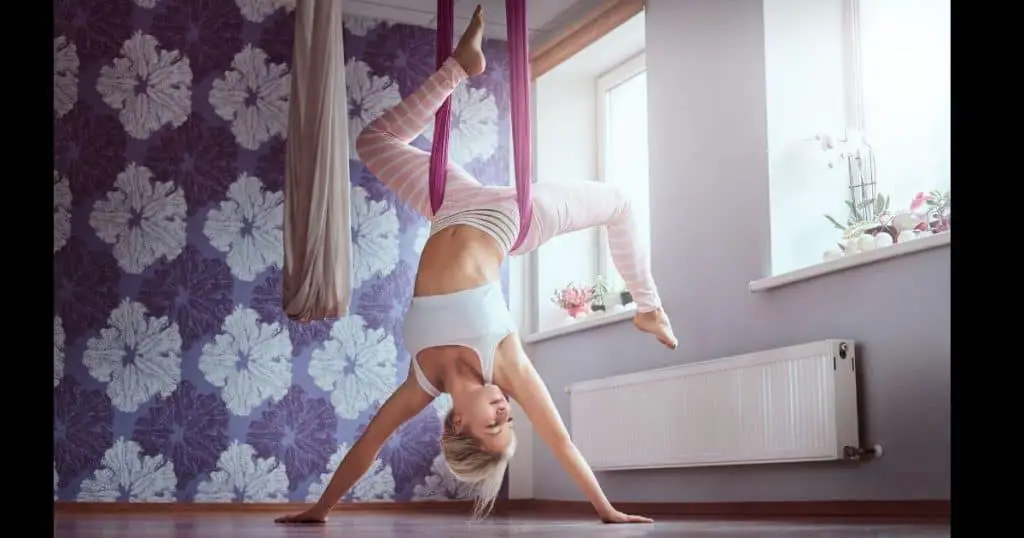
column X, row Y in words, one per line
column 858, row 453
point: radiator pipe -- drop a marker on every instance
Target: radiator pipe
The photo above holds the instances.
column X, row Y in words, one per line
column 856, row 452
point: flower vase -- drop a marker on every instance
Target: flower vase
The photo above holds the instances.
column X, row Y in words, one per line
column 577, row 311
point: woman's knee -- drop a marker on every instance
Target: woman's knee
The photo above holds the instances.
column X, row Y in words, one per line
column 620, row 200
column 371, row 140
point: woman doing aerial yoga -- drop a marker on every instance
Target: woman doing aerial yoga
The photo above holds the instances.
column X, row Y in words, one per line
column 458, row 329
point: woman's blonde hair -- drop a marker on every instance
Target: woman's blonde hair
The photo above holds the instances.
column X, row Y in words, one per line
column 470, row 463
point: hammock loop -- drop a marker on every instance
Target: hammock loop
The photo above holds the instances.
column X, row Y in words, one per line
column 515, row 12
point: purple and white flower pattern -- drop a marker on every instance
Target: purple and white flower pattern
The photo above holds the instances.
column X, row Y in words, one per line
column 441, row 485
column 82, row 428
column 240, row 475
column 298, row 430
column 188, row 427
column 142, row 217
column 192, row 290
column 247, row 226
column 58, row 350
column 376, row 484
column 208, row 32
column 137, row 356
column 128, row 474
column 90, row 149
column 65, row 76
column 61, row 211
column 198, row 157
column 356, row 365
column 177, row 376
column 149, row 86
column 249, row 362
column 253, row 96
column 411, row 450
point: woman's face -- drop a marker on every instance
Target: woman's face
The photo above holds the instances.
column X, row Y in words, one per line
column 484, row 414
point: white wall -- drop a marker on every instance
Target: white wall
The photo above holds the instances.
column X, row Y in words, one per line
column 804, row 84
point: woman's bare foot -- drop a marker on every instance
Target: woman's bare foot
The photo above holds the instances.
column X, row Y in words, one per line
column 656, row 322
column 469, row 52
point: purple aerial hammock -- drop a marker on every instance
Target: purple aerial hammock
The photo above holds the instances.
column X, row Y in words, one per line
column 515, row 13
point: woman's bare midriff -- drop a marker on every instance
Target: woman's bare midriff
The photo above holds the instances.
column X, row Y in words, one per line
column 457, row 258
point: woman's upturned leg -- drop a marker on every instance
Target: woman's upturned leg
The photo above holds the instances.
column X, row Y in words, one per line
column 384, row 144
column 564, row 207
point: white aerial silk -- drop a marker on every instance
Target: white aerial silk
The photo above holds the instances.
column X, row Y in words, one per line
column 317, row 242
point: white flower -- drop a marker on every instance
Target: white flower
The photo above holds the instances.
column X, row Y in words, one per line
column 250, row 361
column 420, row 239
column 58, row 350
column 441, row 484
column 360, row 25
column 150, row 87
column 56, row 478
column 241, row 475
column 442, row 404
column 65, row 75
column 376, row 484
column 357, row 366
column 61, row 211
column 137, row 356
column 144, row 219
column 258, row 10
column 253, row 96
column 126, row 472
column 375, row 234
column 146, row 3
column 368, row 97
column 474, row 131
column 248, row 227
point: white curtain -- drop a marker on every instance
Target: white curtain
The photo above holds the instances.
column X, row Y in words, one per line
column 317, row 241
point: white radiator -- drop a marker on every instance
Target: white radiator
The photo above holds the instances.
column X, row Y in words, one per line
column 791, row 404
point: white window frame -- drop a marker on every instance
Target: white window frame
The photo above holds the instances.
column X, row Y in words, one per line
column 606, row 82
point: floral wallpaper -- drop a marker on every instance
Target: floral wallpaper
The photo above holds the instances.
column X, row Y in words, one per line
column 176, row 376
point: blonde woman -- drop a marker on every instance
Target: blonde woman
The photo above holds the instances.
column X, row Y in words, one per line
column 458, row 329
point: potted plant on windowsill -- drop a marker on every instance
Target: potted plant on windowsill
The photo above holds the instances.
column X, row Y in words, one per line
column 928, row 214
column 574, row 299
column 600, row 289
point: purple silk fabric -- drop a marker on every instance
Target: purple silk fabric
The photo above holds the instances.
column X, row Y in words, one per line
column 515, row 13
column 443, row 118
column 519, row 62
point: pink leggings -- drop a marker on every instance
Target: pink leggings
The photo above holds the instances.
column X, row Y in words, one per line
column 558, row 207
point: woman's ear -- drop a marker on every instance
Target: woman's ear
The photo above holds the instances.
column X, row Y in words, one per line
column 456, row 423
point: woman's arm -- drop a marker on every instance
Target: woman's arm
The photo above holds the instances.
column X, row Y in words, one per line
column 408, row 400
column 528, row 389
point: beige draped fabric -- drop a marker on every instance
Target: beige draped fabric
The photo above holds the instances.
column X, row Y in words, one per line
column 317, row 241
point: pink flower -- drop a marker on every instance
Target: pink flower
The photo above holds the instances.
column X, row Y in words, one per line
column 919, row 200
column 573, row 296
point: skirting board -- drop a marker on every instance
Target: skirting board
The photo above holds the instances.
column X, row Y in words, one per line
column 938, row 510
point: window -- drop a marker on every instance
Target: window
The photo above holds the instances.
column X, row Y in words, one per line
column 622, row 149
column 858, row 125
column 590, row 124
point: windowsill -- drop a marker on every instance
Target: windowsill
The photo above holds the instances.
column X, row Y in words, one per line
column 841, row 264
column 590, row 322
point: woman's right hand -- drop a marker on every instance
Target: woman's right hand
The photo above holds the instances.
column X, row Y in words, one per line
column 618, row 517
column 314, row 515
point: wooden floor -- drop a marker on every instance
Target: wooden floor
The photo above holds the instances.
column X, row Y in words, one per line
column 403, row 525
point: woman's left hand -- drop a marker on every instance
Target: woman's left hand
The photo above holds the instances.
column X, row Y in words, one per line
column 619, row 517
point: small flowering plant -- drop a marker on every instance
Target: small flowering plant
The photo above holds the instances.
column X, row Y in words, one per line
column 928, row 212
column 935, row 207
column 573, row 298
